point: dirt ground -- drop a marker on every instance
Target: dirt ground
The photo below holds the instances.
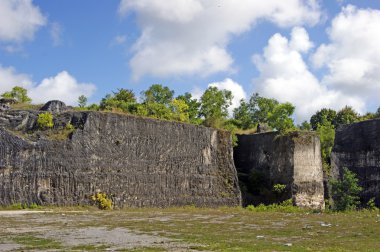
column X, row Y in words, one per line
column 188, row 229
column 72, row 231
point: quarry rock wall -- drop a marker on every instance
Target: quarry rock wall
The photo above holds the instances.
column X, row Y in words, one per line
column 138, row 162
column 357, row 147
column 268, row 159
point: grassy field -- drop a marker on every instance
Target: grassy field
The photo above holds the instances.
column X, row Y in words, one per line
column 188, row 229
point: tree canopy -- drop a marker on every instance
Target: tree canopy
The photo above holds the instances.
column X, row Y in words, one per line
column 20, row 94
column 322, row 117
column 214, row 105
column 346, row 115
column 264, row 110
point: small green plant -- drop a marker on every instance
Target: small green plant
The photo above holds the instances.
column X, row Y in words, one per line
column 69, row 126
column 102, row 201
column 279, row 188
column 371, row 205
column 250, row 208
column 34, row 206
column 17, row 206
column 346, row 191
column 45, row 121
column 287, row 203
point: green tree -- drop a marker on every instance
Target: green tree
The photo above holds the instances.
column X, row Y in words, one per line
column 124, row 95
column 157, row 102
column 180, row 110
column 322, row 117
column 193, row 107
column 264, row 110
column 93, row 107
column 214, row 106
column 260, row 107
column 345, row 192
column 20, row 94
column 346, row 115
column 377, row 113
column 157, row 110
column 326, row 134
column 368, row 116
column 158, row 94
column 243, row 116
column 123, row 99
column 280, row 118
column 82, row 101
column 305, row 125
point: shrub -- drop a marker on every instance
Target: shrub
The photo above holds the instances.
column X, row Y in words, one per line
column 102, row 201
column 345, row 192
column 69, row 126
column 279, row 188
column 34, row 206
column 285, row 206
column 371, row 205
column 45, row 121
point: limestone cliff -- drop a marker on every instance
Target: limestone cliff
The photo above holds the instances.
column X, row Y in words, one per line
column 137, row 161
column 294, row 160
column 357, row 147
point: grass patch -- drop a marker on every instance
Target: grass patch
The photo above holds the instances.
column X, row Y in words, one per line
column 59, row 135
column 26, row 106
column 244, row 230
column 21, row 206
column 89, row 247
column 219, row 229
column 30, row 242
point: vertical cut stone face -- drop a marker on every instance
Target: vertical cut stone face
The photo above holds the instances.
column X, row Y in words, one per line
column 357, row 147
column 137, row 161
column 264, row 160
column 308, row 188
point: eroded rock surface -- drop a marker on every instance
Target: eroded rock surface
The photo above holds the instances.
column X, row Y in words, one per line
column 54, row 106
column 136, row 161
column 265, row 160
column 357, row 147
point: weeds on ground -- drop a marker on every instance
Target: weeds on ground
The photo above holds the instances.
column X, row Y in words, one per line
column 285, row 206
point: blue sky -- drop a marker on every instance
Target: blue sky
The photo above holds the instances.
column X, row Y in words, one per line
column 312, row 53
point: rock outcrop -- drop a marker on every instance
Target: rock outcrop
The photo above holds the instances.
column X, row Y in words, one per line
column 54, row 107
column 357, row 147
column 138, row 162
column 266, row 160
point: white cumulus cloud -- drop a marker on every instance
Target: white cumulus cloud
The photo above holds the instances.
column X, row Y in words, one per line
column 352, row 56
column 191, row 36
column 285, row 76
column 19, row 20
column 62, row 87
column 10, row 78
